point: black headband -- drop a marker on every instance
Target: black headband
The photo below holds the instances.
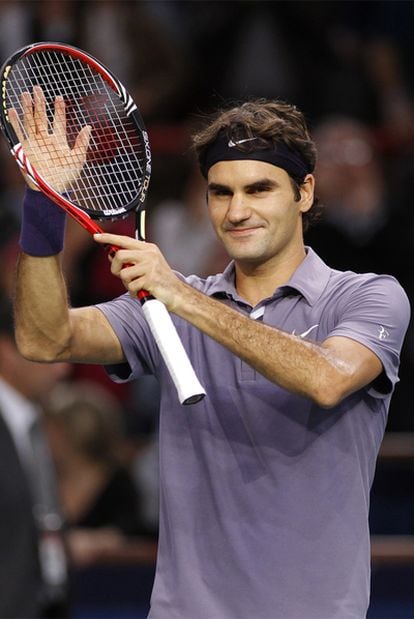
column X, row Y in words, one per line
column 257, row 148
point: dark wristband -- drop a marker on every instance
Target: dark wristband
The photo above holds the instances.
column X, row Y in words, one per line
column 43, row 225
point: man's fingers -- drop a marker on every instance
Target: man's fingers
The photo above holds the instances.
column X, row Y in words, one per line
column 59, row 120
column 118, row 240
column 40, row 115
column 81, row 145
column 28, row 118
column 15, row 123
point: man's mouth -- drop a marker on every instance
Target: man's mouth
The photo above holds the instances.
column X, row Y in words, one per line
column 239, row 232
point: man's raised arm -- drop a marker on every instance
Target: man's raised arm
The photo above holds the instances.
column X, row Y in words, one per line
column 46, row 328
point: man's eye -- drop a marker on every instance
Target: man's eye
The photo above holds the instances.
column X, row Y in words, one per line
column 221, row 192
column 260, row 189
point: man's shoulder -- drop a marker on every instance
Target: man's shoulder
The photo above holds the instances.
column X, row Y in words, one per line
column 345, row 288
column 322, row 283
column 379, row 281
column 343, row 280
column 375, row 292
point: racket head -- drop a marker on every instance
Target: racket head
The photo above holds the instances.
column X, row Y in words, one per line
column 114, row 179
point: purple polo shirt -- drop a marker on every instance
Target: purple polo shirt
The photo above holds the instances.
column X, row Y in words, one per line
column 264, row 496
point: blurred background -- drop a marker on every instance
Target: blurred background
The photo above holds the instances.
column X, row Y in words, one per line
column 350, row 67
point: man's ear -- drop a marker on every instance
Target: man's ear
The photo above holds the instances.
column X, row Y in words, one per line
column 307, row 191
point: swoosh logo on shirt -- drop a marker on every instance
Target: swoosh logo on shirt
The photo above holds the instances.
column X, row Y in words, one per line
column 305, row 333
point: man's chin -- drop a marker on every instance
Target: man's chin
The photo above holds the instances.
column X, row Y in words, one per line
column 248, row 258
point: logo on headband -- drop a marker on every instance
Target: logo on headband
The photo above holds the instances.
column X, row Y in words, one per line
column 232, row 144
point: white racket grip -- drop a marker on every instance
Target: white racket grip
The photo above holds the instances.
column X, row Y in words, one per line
column 173, row 352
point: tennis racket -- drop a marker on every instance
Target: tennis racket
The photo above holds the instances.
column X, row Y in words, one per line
column 78, row 136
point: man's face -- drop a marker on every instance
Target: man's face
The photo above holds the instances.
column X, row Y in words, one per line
column 253, row 210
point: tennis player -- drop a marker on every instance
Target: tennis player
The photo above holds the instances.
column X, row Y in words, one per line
column 265, row 483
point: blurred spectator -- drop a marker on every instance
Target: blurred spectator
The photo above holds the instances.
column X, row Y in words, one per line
column 351, row 183
column 100, row 501
column 365, row 227
column 32, row 557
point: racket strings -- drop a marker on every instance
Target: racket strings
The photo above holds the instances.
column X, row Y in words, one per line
column 115, row 165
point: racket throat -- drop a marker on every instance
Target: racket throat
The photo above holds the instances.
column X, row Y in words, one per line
column 144, row 296
column 140, row 226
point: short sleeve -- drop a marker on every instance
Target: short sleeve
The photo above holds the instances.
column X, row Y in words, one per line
column 376, row 313
column 127, row 320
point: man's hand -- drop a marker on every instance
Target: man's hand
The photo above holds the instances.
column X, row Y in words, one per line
column 49, row 152
column 141, row 266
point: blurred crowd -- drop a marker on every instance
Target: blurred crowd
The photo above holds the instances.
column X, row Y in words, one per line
column 348, row 65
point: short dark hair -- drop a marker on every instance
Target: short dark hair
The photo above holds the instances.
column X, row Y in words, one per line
column 274, row 121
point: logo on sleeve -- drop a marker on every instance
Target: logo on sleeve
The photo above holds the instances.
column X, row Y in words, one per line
column 382, row 333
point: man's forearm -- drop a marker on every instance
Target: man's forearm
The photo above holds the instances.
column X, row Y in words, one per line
column 41, row 308
column 299, row 366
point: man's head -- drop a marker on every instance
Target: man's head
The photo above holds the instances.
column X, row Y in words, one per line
column 270, row 131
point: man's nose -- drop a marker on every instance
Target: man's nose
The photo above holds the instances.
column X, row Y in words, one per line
column 239, row 209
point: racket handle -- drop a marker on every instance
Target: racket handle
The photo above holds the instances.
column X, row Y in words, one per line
column 172, row 350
